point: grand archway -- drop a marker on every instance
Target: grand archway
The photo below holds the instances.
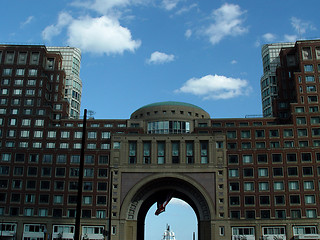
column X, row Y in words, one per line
column 144, row 194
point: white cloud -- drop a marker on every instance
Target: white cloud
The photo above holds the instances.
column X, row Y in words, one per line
column 269, row 37
column 101, row 35
column 186, row 9
column 215, row 87
column 27, row 21
column 159, row 58
column 234, row 62
column 53, row 30
column 188, row 33
column 301, row 26
column 169, row 4
column 290, row 38
column 228, row 21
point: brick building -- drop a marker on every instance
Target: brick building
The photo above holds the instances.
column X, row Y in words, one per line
column 245, row 178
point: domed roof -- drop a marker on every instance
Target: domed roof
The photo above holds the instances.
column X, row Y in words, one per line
column 170, row 103
column 170, row 110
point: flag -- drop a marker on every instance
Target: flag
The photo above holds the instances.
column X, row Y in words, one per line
column 161, row 204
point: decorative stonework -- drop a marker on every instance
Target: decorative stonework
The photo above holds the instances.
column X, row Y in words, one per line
column 169, row 184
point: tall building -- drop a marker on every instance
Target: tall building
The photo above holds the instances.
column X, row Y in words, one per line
column 268, row 82
column 245, row 178
column 73, row 87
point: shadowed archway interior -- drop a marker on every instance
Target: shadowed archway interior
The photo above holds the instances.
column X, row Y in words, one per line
column 159, row 189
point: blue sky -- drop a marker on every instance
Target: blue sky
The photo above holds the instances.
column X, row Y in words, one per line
column 136, row 52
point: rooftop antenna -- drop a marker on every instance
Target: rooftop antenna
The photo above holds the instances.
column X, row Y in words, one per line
column 91, row 114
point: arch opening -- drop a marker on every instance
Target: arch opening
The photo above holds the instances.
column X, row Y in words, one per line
column 179, row 216
column 149, row 193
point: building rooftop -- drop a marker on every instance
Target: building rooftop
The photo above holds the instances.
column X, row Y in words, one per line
column 170, row 103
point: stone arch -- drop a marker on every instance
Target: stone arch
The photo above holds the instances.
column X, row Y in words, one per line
column 145, row 193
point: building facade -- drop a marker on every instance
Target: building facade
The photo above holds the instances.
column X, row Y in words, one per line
column 268, row 83
column 73, row 84
column 245, row 178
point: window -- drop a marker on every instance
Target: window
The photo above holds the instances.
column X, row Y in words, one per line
column 306, row 157
column 276, row 158
column 279, row 200
column 105, row 135
column 307, row 171
column 234, row 186
column 294, row 199
column 33, row 72
column 306, row 53
column 292, row 171
column 291, row 157
column 311, row 213
column 274, row 133
column 278, row 186
column 248, row 186
column 231, row 134
column 233, row 159
column 43, row 212
column 101, row 214
column 315, row 131
column 234, row 201
column 293, row 185
column 314, row 109
column 44, row 185
column 245, row 134
column 47, row 158
column 260, row 134
column 65, row 134
column 7, row 72
column 301, row 120
column 59, row 185
column 235, row 214
column 302, row 133
column 61, row 159
column 92, row 135
column 277, row 172
column 46, row 171
column 18, row 171
column 246, row 145
column 26, row 122
column 262, row 158
column 249, row 200
column 264, row 200
column 308, row 68
column 308, row 185
column 77, row 135
column 263, row 186
column 57, row 199
column 204, row 151
column 147, row 152
column 175, row 147
column 6, row 157
column 60, row 172
column 248, row 172
column 101, row 200
column 309, row 199
column 87, row 186
column 263, row 172
column 87, row 200
column 233, row 173
column 312, row 99
column 265, row 214
column 247, row 159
